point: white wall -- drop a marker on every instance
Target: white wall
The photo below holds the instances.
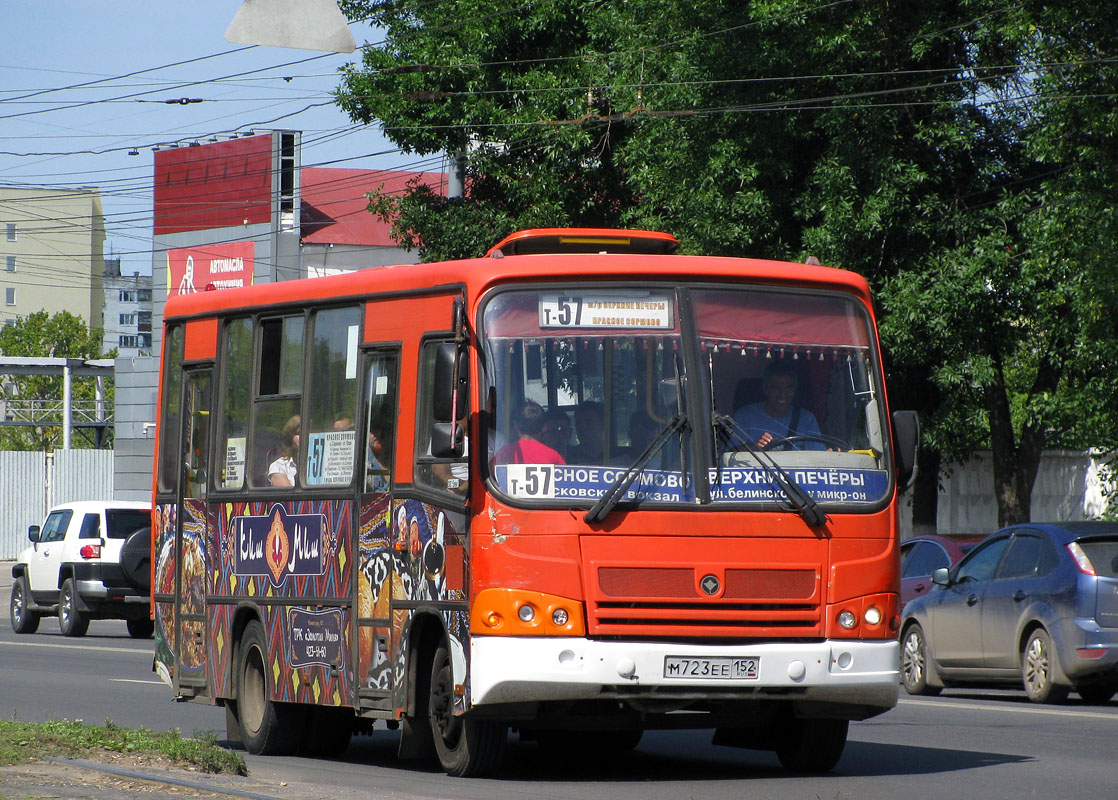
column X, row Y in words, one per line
column 1070, row 485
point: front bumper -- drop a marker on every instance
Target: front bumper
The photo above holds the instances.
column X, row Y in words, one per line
column 505, row 669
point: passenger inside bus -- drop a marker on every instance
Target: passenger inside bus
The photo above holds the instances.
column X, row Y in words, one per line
column 376, row 474
column 590, row 425
column 556, row 432
column 528, row 449
column 282, row 471
column 778, row 416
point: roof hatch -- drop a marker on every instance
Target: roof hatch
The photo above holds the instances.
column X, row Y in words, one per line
column 584, row 240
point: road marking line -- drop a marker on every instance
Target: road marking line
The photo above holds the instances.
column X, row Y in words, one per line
column 1069, row 712
column 133, row 680
column 79, row 647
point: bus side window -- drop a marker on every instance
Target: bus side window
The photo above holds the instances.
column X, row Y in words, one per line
column 236, row 394
column 331, row 405
column 442, row 474
column 170, row 421
column 380, row 422
column 276, row 430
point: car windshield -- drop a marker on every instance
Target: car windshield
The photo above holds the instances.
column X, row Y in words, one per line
column 767, row 389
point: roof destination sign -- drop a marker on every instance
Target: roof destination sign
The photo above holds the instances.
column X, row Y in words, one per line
column 602, row 310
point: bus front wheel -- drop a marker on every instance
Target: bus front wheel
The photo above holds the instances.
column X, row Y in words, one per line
column 467, row 747
column 812, row 745
column 267, row 727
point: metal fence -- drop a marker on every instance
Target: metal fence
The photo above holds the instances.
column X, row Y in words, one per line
column 30, row 483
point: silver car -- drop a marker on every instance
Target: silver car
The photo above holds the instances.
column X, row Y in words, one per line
column 1034, row 604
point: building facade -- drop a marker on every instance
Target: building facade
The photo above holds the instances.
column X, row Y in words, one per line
column 126, row 318
column 51, row 253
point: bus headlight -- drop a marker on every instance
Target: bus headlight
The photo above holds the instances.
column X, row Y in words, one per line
column 847, row 619
column 519, row 612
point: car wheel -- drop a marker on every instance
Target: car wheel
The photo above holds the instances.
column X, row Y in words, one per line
column 1038, row 668
column 267, row 727
column 71, row 621
column 141, row 628
column 24, row 620
column 812, row 745
column 1096, row 693
column 914, row 663
column 467, row 747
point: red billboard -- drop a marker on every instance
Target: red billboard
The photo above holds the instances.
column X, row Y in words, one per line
column 222, row 266
column 220, row 185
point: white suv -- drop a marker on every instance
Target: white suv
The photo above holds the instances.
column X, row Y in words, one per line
column 89, row 560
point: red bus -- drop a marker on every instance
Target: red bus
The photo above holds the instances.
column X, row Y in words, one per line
column 579, row 488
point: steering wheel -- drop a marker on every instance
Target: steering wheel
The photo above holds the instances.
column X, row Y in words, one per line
column 831, row 441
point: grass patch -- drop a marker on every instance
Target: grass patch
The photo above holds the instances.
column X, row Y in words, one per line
column 21, row 742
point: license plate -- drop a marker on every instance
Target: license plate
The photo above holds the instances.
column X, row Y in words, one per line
column 727, row 668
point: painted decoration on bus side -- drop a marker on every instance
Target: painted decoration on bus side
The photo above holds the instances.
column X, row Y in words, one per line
column 279, row 545
column 180, row 642
column 164, row 590
column 316, row 637
column 410, row 551
column 308, row 651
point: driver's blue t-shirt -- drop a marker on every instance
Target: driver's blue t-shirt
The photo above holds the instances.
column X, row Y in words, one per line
column 755, row 422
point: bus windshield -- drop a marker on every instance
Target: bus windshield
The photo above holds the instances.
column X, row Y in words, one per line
column 741, row 387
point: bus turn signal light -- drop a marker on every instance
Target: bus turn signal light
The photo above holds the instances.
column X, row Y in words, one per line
column 519, row 612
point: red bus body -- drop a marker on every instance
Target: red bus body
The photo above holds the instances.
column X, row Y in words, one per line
column 450, row 594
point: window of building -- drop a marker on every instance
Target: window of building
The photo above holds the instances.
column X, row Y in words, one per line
column 127, row 319
column 128, row 340
column 144, row 295
column 127, row 296
column 11, row 265
column 143, row 322
column 9, row 296
column 12, row 232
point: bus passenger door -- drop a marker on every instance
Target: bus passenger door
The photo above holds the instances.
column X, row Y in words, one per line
column 375, row 565
column 191, row 537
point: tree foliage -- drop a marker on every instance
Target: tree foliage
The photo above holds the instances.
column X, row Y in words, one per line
column 958, row 153
column 40, row 335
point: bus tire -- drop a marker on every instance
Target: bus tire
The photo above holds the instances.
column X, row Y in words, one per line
column 467, row 747
column 267, row 727
column 812, row 745
column 70, row 621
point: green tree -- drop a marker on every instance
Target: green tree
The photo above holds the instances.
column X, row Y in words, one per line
column 948, row 150
column 40, row 335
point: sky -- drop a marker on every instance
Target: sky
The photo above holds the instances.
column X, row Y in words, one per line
column 129, row 56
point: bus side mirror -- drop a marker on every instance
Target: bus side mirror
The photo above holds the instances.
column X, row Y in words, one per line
column 906, row 440
column 442, row 405
column 448, row 440
column 33, row 533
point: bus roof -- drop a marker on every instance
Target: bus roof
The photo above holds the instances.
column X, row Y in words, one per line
column 479, row 274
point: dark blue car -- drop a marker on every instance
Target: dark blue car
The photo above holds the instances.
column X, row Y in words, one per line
column 1035, row 604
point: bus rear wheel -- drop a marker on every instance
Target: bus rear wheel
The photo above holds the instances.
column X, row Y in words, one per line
column 267, row 727
column 812, row 745
column 466, row 747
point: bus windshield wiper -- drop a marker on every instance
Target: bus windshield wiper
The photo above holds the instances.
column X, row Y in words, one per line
column 727, row 430
column 612, row 496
